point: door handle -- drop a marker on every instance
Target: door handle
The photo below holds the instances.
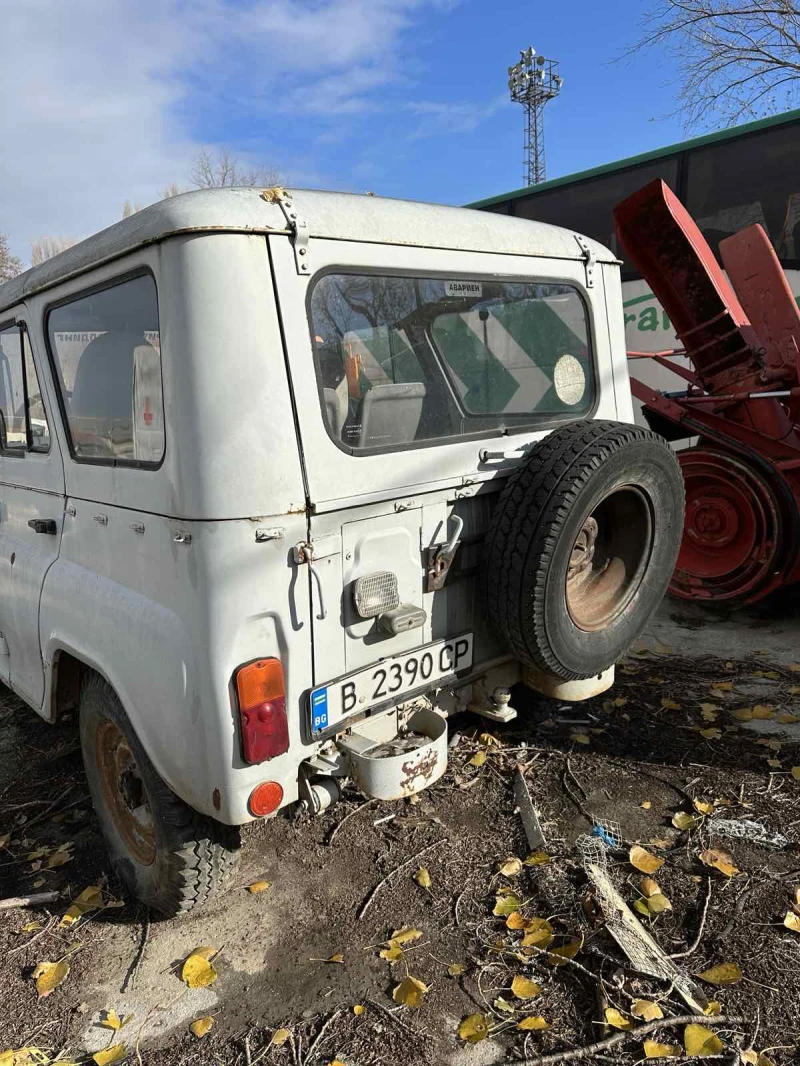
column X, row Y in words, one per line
column 43, row 525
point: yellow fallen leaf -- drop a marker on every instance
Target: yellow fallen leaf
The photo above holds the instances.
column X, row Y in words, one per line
column 657, row 902
column 682, row 820
column 720, row 860
column 704, row 806
column 670, row 705
column 643, row 860
column 524, row 988
column 533, row 1021
column 110, row 1054
column 502, row 1004
column 405, row 935
column 564, row 952
column 724, row 973
column 505, row 903
column 709, row 711
column 258, row 886
column 794, row 690
column 39, row 882
column 787, row 718
column 712, row 1009
column 580, row 738
column 455, row 969
column 712, row 733
column 489, row 741
column 774, row 764
column 201, row 1026
column 654, row 1050
column 423, row 878
column 722, row 686
column 646, row 1010
column 410, row 992
column 60, row 857
column 792, row 921
column 478, row 759
column 763, row 711
column 109, row 1019
column 536, row 858
column 358, row 1009
column 27, row 1056
column 646, row 805
column 796, row 773
column 197, row 971
column 474, row 1028
column 794, row 668
column 49, row 975
column 338, row 958
column 392, row 954
column 30, row 927
column 510, row 868
column 617, row 1019
column 279, row 1037
column 91, row 899
column 538, row 933
column 701, row 1042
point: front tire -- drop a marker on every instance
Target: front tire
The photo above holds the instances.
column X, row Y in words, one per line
column 166, row 854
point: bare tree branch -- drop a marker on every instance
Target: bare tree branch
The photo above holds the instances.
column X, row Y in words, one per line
column 733, row 58
column 222, row 171
column 46, row 247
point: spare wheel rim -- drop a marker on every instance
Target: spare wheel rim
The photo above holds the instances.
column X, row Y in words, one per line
column 609, row 558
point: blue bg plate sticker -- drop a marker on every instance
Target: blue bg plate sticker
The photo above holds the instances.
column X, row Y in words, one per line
column 319, row 710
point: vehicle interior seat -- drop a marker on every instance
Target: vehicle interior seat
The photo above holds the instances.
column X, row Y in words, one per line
column 390, row 414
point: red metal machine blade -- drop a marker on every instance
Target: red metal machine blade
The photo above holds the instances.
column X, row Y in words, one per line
column 757, row 276
column 674, row 257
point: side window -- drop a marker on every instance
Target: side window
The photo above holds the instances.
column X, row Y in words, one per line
column 37, row 418
column 106, row 348
column 23, row 422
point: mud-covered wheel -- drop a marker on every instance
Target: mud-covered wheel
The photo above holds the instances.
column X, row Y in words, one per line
column 582, row 546
column 166, row 854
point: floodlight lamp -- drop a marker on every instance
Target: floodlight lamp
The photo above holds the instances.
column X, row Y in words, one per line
column 540, row 61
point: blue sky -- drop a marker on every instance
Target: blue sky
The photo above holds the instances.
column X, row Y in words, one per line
column 400, row 97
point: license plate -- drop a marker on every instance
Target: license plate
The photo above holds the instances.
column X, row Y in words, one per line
column 388, row 680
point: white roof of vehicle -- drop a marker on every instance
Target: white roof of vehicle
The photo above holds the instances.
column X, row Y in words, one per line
column 331, row 215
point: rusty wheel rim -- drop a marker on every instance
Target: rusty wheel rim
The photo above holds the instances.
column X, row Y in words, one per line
column 609, row 559
column 124, row 792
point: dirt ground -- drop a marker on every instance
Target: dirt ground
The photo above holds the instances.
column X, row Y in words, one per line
column 703, row 710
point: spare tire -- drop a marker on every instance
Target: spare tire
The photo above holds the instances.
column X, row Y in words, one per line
column 582, row 545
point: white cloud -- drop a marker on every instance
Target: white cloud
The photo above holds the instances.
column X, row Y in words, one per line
column 451, row 117
column 99, row 94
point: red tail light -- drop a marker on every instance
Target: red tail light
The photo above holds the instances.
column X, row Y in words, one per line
column 262, row 710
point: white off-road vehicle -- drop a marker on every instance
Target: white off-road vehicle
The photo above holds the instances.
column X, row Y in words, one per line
column 287, row 478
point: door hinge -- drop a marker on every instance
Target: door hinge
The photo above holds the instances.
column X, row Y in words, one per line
column 297, row 225
column 589, row 260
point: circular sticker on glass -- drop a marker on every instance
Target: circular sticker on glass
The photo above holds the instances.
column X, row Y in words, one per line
column 569, row 380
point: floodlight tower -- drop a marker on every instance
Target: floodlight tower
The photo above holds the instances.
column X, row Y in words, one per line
column 532, row 82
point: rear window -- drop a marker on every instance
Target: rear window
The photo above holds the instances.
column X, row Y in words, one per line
column 106, row 348
column 413, row 359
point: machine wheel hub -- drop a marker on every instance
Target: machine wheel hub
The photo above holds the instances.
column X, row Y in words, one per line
column 731, row 530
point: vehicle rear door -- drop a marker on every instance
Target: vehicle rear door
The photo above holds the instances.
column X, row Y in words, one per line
column 387, row 495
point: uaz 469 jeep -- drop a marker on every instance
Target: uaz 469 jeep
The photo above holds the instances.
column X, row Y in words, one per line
column 287, row 478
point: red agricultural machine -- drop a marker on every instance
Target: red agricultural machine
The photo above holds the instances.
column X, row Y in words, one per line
column 741, row 335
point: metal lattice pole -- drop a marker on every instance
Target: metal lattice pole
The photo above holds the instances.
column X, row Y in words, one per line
column 533, row 82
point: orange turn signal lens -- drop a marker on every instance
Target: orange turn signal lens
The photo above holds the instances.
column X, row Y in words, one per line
column 260, row 682
column 265, row 798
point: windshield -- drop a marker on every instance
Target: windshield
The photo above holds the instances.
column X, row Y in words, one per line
column 411, row 359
